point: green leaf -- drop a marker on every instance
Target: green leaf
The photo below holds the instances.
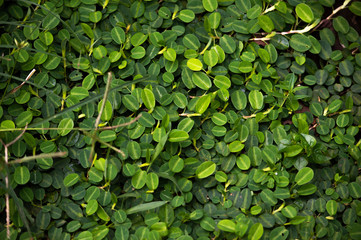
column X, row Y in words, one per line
column 304, row 12
column 300, row 42
column 210, row 57
column 65, row 126
column 355, row 8
column 265, row 23
column 79, row 92
column 255, row 98
column 186, row 15
column 214, row 19
column 177, row 135
column 170, row 54
column 145, row 207
column 289, row 212
column 227, row 44
column 194, row 64
column 91, row 207
column 205, row 169
column 239, row 99
column 331, row 207
column 340, row 24
column 152, row 181
column 87, row 29
column 255, row 232
column 304, row 176
column 203, row 103
column 148, row 98
column 71, row 179
column 137, row 9
column 176, row 164
column 201, row 80
column 227, row 225
column 21, row 175
column 50, row 21
column 107, row 111
column 342, row 120
column 210, row 5
column 139, row 179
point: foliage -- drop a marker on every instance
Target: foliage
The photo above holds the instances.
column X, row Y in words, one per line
column 196, row 119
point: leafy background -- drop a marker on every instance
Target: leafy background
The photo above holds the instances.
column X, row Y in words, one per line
column 197, row 119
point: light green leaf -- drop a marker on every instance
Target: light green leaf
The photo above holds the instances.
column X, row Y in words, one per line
column 304, row 176
column 304, row 12
column 205, row 169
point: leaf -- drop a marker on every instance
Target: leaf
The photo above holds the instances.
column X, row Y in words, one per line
column 91, row 207
column 331, row 207
column 107, row 111
column 22, row 175
column 342, row 120
column 205, row 169
column 139, row 179
column 71, row 179
column 255, row 232
column 355, row 8
column 145, row 206
column 300, row 42
column 201, row 80
column 239, row 99
column 214, row 19
column 148, row 98
column 177, row 135
column 304, row 176
column 65, row 126
column 265, row 23
column 186, row 15
column 203, row 103
column 170, row 54
column 194, row 64
column 227, row 225
column 255, row 98
column 210, row 5
column 152, row 181
column 304, row 12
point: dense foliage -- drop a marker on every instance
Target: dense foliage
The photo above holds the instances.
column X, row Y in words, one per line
column 198, row 119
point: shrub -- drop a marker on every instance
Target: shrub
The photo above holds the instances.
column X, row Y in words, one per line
column 199, row 119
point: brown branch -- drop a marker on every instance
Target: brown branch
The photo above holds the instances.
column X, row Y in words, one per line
column 18, row 137
column 26, row 79
column 121, row 125
column 43, row 155
column 7, row 202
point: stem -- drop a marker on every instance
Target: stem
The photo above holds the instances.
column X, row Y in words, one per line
column 107, row 87
column 343, row 6
column 7, row 203
column 44, row 155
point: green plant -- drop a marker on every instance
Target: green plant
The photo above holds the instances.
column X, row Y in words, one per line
column 199, row 119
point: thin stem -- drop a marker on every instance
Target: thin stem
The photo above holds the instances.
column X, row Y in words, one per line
column 18, row 137
column 26, row 79
column 97, row 121
column 107, row 87
column 43, row 155
column 7, row 203
column 343, row 6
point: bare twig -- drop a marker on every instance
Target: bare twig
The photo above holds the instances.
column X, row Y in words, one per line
column 6, row 146
column 107, row 87
column 43, row 155
column 26, row 79
column 76, row 128
column 343, row 6
column 122, row 125
column 7, row 194
column 18, row 137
